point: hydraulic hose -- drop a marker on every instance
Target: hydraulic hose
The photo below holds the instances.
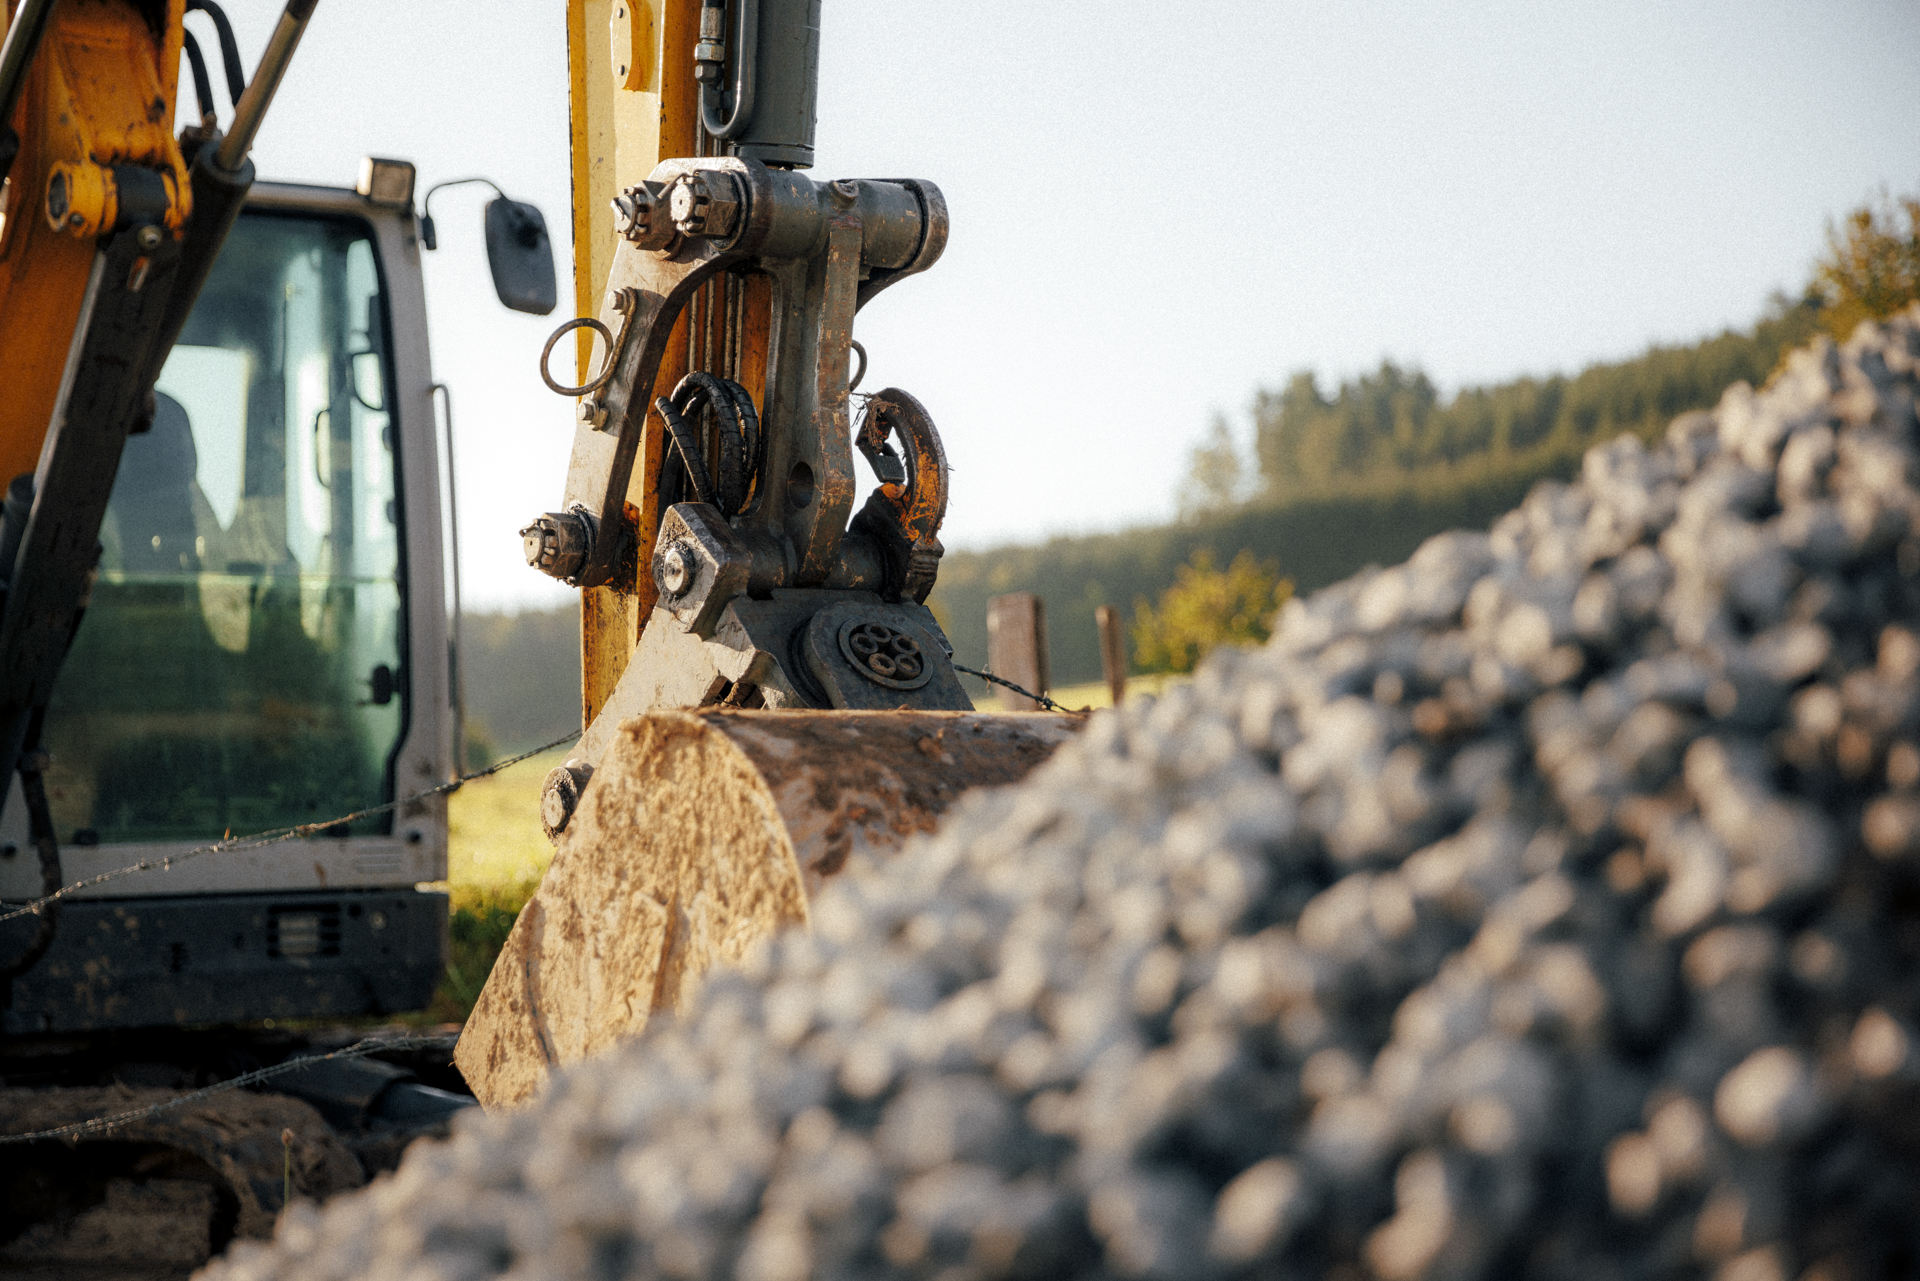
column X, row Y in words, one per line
column 746, row 41
column 202, row 86
column 229, row 47
column 740, row 438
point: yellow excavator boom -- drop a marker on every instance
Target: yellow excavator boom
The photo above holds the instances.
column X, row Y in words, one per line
column 94, row 112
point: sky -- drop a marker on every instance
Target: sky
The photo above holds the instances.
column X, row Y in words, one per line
column 1158, row 208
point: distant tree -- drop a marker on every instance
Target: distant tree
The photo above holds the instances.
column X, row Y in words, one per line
column 1390, row 427
column 480, row 749
column 1284, row 424
column 1378, row 421
column 1216, row 476
column 1872, row 265
column 1206, row 607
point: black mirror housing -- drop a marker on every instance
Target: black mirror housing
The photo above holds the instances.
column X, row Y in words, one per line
column 520, row 256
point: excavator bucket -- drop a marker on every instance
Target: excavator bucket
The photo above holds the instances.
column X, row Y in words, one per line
column 702, row 834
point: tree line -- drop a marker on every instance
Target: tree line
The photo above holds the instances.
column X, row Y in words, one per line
column 1338, row 478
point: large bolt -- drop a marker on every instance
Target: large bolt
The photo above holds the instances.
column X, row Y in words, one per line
column 704, row 204
column 677, row 570
column 560, row 796
column 558, row 543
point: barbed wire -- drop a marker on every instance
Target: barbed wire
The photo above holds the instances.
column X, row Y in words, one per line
column 359, row 1049
column 273, row 836
column 1041, row 699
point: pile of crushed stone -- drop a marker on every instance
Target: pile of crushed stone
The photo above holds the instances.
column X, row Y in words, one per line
column 1547, row 906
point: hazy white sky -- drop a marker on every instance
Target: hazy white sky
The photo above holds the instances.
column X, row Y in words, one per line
column 1157, row 208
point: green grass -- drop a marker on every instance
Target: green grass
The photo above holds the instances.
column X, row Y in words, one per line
column 1091, row 696
column 496, row 856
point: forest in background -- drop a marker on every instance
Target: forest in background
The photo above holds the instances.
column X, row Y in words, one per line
column 522, row 678
column 1356, row 476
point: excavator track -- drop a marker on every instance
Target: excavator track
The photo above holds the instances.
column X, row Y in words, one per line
column 162, row 1193
column 157, row 1195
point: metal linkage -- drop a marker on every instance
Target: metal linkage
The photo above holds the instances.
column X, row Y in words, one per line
column 828, row 249
column 745, row 520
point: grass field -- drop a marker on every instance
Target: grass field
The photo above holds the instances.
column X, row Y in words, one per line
column 496, row 856
column 1092, row 697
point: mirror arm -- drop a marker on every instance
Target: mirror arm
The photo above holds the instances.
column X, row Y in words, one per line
column 427, row 235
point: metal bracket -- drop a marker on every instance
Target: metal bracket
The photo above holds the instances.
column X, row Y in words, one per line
column 828, row 247
column 903, row 518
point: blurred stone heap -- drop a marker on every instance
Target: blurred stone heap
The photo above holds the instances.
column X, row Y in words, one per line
column 1548, row 906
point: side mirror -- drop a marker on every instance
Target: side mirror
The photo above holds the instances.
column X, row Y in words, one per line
column 521, row 256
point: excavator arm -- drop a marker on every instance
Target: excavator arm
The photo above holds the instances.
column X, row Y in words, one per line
column 107, row 231
column 766, row 699
column 88, row 95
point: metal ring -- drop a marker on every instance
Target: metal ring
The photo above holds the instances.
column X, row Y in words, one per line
column 854, row 382
column 606, row 374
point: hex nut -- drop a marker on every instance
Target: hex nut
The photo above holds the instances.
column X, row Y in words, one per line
column 640, row 215
column 704, row 204
column 558, row 543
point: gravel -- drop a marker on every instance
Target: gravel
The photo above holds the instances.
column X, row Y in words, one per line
column 1547, row 906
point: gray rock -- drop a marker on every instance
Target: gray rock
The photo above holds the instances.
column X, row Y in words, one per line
column 1544, row 907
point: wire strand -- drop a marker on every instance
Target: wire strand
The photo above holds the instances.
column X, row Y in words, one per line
column 1041, row 699
column 359, row 1049
column 273, row 836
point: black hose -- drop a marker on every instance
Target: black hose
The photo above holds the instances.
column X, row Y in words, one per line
column 229, row 48
column 692, row 458
column 734, row 461
column 740, row 438
column 752, row 442
column 202, row 87
column 40, row 824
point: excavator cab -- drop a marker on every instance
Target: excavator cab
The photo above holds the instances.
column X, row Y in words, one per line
column 265, row 646
column 240, row 667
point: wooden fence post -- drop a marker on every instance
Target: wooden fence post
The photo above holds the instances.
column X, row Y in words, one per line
column 1017, row 647
column 1113, row 652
